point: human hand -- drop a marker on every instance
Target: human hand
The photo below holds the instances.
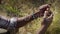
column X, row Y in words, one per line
column 47, row 20
column 43, row 8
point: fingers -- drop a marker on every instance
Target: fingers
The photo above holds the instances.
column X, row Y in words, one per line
column 47, row 20
column 45, row 14
column 46, row 17
column 51, row 16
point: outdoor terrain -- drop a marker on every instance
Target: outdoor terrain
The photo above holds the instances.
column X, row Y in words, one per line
column 21, row 8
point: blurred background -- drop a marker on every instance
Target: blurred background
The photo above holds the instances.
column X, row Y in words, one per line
column 21, row 8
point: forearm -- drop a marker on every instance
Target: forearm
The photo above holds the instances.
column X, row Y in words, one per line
column 30, row 17
column 42, row 30
column 23, row 21
column 44, row 26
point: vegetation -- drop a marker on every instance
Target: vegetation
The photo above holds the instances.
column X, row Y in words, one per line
column 23, row 8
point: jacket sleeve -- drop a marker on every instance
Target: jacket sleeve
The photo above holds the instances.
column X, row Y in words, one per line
column 3, row 23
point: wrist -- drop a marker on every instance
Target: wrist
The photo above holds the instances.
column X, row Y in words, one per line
column 42, row 30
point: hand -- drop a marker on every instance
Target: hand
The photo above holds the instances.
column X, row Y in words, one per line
column 43, row 8
column 47, row 20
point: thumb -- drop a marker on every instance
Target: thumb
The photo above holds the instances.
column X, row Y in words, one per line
column 51, row 16
column 45, row 14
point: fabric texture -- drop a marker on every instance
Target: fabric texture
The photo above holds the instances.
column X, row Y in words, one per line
column 12, row 23
column 3, row 23
column 8, row 24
